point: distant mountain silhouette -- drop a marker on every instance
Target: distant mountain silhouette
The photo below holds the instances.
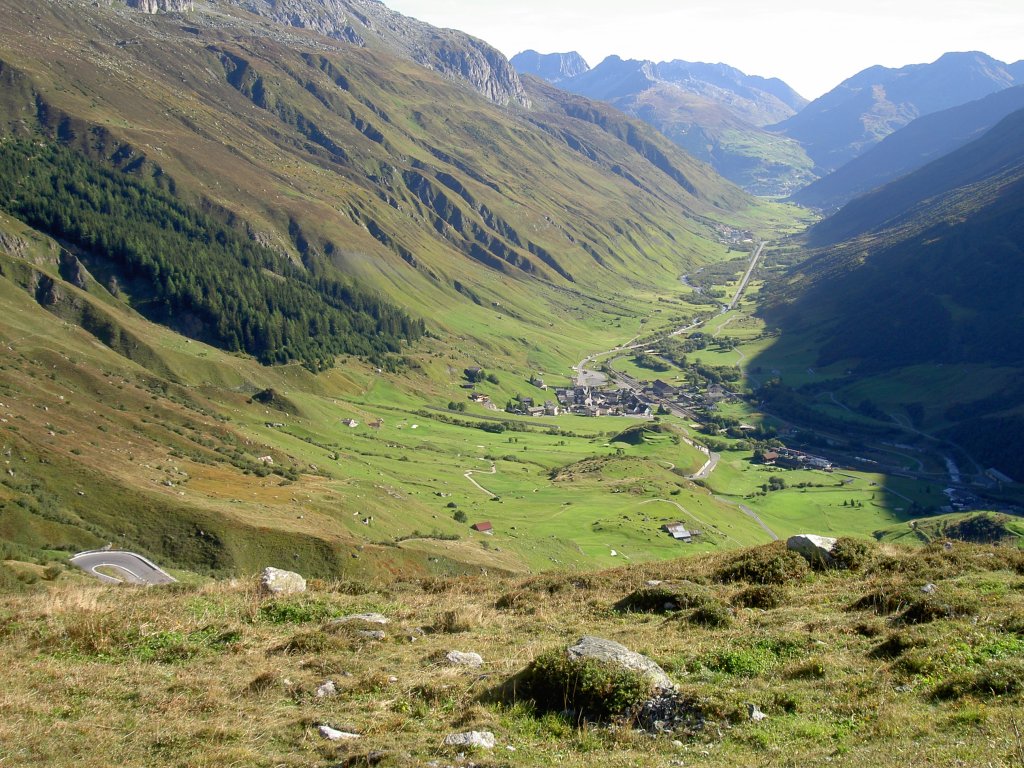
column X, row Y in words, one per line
column 925, row 139
column 553, row 67
column 863, row 110
column 756, row 100
column 712, row 110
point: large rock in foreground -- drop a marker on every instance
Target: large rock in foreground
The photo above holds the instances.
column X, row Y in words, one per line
column 617, row 655
column 816, row 549
column 274, row 581
column 595, row 679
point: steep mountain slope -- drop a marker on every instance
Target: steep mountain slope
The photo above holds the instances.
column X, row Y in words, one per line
column 553, row 67
column 980, row 173
column 861, row 111
column 370, row 23
column 929, row 270
column 910, row 148
column 333, row 154
column 713, row 111
column 317, row 177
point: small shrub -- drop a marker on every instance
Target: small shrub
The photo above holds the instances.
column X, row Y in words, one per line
column 853, row 554
column 665, row 597
column 763, row 596
column 295, row 612
column 868, row 629
column 714, row 615
column 928, row 608
column 812, row 669
column 515, row 600
column 309, row 642
column 1000, row 678
column 885, row 600
column 895, row 646
column 589, row 688
column 459, row 620
column 263, row 682
column 770, row 564
column 742, row 662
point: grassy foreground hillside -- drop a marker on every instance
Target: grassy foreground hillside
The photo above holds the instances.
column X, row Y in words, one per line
column 854, row 667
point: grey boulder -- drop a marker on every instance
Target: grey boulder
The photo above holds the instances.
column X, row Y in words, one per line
column 479, row 739
column 817, row 550
column 611, row 652
column 274, row 581
column 461, row 659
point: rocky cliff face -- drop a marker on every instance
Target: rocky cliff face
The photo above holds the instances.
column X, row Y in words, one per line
column 553, row 67
column 371, row 24
column 162, row 6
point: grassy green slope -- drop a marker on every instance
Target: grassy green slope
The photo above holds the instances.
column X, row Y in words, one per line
column 526, row 239
column 364, row 162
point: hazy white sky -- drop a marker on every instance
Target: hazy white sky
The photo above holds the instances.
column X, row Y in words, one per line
column 811, row 44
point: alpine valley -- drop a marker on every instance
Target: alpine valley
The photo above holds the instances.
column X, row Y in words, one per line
column 494, row 353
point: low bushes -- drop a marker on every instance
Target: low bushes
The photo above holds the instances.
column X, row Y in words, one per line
column 770, row 564
column 591, row 689
column 665, row 597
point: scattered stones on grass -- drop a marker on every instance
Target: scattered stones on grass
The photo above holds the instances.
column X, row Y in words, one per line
column 372, row 634
column 461, row 659
column 755, row 714
column 479, row 739
column 929, row 588
column 333, row 734
column 326, row 690
column 366, row 618
column 274, row 581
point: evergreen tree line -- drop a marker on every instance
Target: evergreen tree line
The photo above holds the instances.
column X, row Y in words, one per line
column 249, row 297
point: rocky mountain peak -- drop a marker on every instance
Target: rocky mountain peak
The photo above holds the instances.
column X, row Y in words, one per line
column 371, row 24
column 553, row 67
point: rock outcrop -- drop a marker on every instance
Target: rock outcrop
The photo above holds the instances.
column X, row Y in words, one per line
column 162, row 6
column 553, row 67
column 371, row 24
column 816, row 549
column 478, row 739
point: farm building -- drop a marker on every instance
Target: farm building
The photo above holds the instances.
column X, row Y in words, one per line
column 484, row 527
column 678, row 532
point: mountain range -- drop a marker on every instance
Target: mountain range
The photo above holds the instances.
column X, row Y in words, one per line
column 921, row 141
column 864, row 109
column 713, row 111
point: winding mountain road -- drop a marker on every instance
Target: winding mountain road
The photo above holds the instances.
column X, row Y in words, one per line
column 134, row 569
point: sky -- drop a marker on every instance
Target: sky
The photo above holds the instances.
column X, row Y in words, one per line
column 811, row 44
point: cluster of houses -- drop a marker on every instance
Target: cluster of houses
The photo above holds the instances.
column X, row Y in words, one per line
column 731, row 236
column 790, row 459
column 692, row 397
column 588, row 401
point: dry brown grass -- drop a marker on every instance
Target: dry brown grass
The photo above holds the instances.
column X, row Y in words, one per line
column 97, row 675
